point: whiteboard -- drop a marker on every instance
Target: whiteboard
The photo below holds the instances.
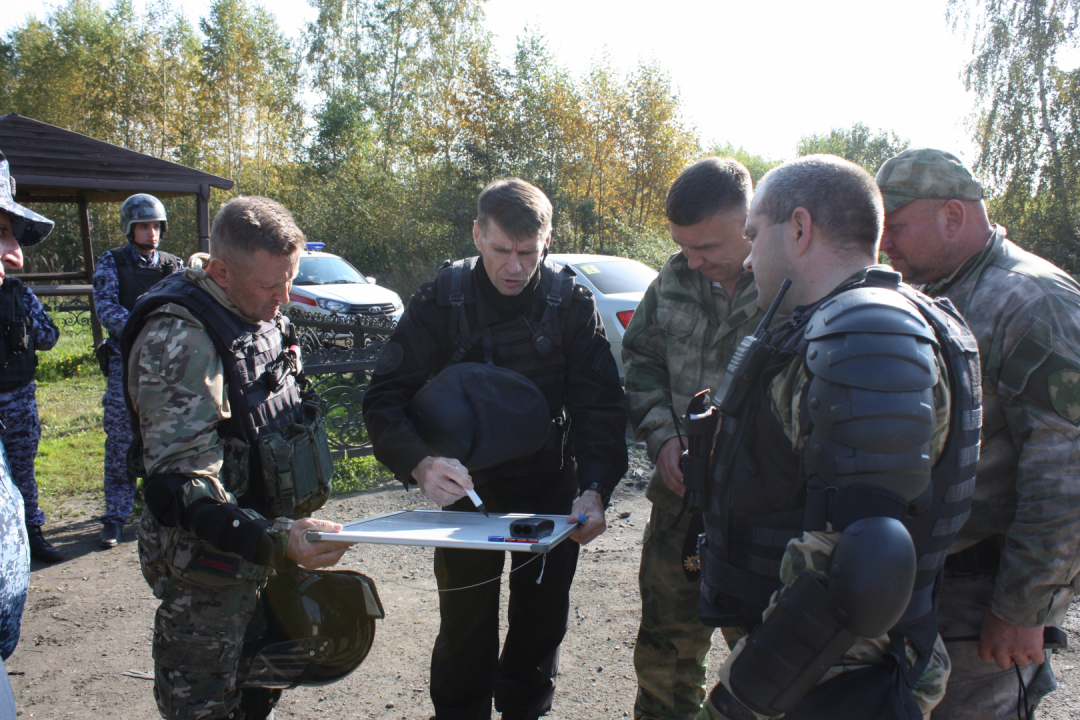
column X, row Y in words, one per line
column 446, row 528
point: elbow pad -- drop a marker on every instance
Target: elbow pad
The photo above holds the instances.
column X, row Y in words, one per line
column 871, row 575
column 231, row 529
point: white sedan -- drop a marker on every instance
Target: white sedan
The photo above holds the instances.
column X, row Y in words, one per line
column 618, row 284
column 328, row 284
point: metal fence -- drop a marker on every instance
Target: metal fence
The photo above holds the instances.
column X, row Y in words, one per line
column 339, row 353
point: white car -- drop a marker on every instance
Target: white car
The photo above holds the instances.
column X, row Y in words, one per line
column 617, row 284
column 328, row 284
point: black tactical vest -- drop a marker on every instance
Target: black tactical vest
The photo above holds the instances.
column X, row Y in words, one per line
column 135, row 279
column 764, row 502
column 262, row 401
column 18, row 361
column 531, row 344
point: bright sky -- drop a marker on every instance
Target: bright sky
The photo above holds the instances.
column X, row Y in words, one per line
column 756, row 74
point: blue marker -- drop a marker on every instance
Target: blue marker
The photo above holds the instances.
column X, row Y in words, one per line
column 583, row 519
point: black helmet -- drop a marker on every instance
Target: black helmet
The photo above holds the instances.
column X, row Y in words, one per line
column 141, row 208
column 482, row 415
column 320, row 626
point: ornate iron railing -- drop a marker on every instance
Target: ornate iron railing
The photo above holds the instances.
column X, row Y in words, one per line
column 339, row 354
column 68, row 311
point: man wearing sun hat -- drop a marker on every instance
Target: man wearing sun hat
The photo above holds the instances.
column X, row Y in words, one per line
column 25, row 328
column 1012, row 570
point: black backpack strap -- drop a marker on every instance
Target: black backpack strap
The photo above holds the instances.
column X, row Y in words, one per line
column 560, row 293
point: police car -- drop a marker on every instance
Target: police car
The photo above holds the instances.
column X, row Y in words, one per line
column 328, row 284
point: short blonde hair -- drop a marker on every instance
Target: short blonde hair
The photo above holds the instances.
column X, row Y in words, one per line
column 246, row 224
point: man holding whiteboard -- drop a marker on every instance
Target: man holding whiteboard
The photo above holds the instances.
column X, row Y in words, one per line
column 513, row 309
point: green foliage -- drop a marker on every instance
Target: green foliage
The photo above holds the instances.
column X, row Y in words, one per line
column 359, row 473
column 860, row 145
column 1025, row 124
column 756, row 164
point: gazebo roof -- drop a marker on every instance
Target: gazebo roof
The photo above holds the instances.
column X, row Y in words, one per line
column 51, row 164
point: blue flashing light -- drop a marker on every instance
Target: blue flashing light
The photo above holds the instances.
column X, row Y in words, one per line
column 315, row 246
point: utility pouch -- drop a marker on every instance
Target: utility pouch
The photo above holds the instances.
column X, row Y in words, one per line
column 297, row 467
column 102, row 352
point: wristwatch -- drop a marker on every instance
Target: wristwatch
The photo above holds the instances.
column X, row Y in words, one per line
column 605, row 494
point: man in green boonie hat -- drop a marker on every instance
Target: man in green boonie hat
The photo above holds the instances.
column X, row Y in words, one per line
column 1013, row 566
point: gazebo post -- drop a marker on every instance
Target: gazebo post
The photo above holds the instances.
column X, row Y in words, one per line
column 88, row 258
column 202, row 213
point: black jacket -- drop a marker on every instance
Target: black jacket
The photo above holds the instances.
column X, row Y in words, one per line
column 424, row 342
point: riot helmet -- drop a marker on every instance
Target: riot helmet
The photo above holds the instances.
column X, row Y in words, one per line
column 141, row 208
column 320, row 627
column 482, row 415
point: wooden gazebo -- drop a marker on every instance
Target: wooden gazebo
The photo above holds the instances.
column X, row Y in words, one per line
column 54, row 165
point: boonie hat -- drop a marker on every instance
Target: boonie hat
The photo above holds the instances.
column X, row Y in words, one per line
column 925, row 173
column 28, row 227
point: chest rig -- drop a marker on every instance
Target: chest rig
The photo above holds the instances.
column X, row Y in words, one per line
column 135, row 279
column 761, row 496
column 18, row 360
column 530, row 344
column 276, row 456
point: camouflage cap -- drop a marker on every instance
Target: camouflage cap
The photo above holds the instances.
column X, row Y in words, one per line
column 925, row 173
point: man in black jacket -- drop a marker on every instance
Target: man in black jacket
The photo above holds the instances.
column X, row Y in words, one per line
column 509, row 308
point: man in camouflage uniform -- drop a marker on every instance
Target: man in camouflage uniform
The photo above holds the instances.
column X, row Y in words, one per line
column 678, row 343
column 1015, row 563
column 870, row 386
column 25, row 328
column 205, row 544
column 121, row 276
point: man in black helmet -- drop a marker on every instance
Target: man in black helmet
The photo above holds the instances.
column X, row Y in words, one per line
column 121, row 276
column 511, row 308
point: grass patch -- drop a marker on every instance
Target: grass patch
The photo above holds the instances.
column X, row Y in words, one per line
column 71, row 455
column 73, row 355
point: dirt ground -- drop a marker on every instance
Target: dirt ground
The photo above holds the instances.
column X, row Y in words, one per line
column 87, row 625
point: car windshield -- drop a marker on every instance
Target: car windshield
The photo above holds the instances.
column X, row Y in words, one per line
column 612, row 277
column 326, row 271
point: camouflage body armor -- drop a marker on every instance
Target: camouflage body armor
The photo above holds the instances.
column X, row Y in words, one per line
column 277, row 457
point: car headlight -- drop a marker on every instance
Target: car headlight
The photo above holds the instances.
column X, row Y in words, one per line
column 334, row 306
column 398, row 304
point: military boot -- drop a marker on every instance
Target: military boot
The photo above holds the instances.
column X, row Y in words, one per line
column 40, row 548
column 111, row 535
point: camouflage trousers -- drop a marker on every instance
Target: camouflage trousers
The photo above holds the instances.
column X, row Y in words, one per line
column 20, row 431
column 119, row 487
column 980, row 690
column 200, row 628
column 672, row 647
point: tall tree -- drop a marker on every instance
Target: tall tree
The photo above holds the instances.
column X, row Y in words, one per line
column 859, row 144
column 756, row 164
column 1025, row 125
column 250, row 112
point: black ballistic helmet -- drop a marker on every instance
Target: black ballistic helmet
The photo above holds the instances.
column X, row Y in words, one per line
column 482, row 415
column 320, row 626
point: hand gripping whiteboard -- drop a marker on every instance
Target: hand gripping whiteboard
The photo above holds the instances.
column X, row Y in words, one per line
column 446, row 528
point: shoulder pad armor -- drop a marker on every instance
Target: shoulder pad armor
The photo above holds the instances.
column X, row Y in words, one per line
column 868, row 310
column 873, row 339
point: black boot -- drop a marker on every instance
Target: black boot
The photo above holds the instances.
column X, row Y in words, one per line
column 111, row 535
column 40, row 548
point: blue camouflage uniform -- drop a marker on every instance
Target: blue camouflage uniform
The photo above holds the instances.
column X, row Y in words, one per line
column 119, row 488
column 20, row 429
column 14, row 562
